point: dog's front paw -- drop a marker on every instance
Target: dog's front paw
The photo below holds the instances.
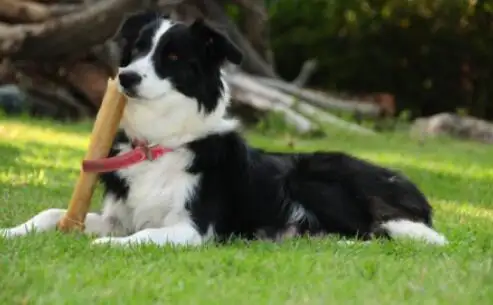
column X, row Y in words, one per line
column 10, row 233
column 102, row 241
column 353, row 242
column 4, row 233
column 122, row 241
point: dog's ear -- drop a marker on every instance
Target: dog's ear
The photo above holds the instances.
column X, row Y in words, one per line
column 129, row 31
column 217, row 46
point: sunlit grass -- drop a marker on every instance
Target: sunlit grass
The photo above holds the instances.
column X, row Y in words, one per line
column 39, row 162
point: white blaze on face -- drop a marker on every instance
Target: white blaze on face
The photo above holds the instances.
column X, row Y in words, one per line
column 151, row 87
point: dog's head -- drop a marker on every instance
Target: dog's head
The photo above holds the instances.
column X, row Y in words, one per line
column 159, row 57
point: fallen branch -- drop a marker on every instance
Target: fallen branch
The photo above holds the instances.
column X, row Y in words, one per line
column 251, row 84
column 307, row 69
column 301, row 123
column 64, row 9
column 23, row 11
column 66, row 35
column 323, row 100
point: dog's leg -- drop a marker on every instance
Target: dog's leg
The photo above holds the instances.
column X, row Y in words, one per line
column 180, row 234
column 104, row 224
column 48, row 219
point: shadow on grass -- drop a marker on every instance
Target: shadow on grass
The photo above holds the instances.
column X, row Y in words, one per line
column 8, row 152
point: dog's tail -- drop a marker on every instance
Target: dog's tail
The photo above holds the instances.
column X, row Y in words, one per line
column 413, row 230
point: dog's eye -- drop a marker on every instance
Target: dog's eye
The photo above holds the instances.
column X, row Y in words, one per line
column 172, row 56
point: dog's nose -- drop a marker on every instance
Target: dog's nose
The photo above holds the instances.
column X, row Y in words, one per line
column 129, row 79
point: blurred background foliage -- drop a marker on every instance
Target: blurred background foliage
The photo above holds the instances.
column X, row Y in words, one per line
column 433, row 55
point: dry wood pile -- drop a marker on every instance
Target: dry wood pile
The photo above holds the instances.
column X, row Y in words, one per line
column 60, row 53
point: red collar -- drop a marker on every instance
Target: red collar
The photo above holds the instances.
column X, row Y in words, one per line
column 141, row 152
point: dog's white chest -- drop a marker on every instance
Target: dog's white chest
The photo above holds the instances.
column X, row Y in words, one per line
column 159, row 190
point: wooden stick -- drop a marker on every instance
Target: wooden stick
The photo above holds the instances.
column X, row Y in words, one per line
column 102, row 136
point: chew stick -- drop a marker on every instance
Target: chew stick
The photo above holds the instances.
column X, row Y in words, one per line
column 103, row 133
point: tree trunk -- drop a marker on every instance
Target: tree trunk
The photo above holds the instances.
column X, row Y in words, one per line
column 255, row 26
column 214, row 11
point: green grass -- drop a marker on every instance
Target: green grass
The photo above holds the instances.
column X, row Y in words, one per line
column 39, row 163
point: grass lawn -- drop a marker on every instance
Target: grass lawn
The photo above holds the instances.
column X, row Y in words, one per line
column 39, row 163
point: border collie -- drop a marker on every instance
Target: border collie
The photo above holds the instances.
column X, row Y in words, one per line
column 210, row 185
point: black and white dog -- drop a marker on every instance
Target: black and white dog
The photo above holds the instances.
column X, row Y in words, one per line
column 211, row 185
